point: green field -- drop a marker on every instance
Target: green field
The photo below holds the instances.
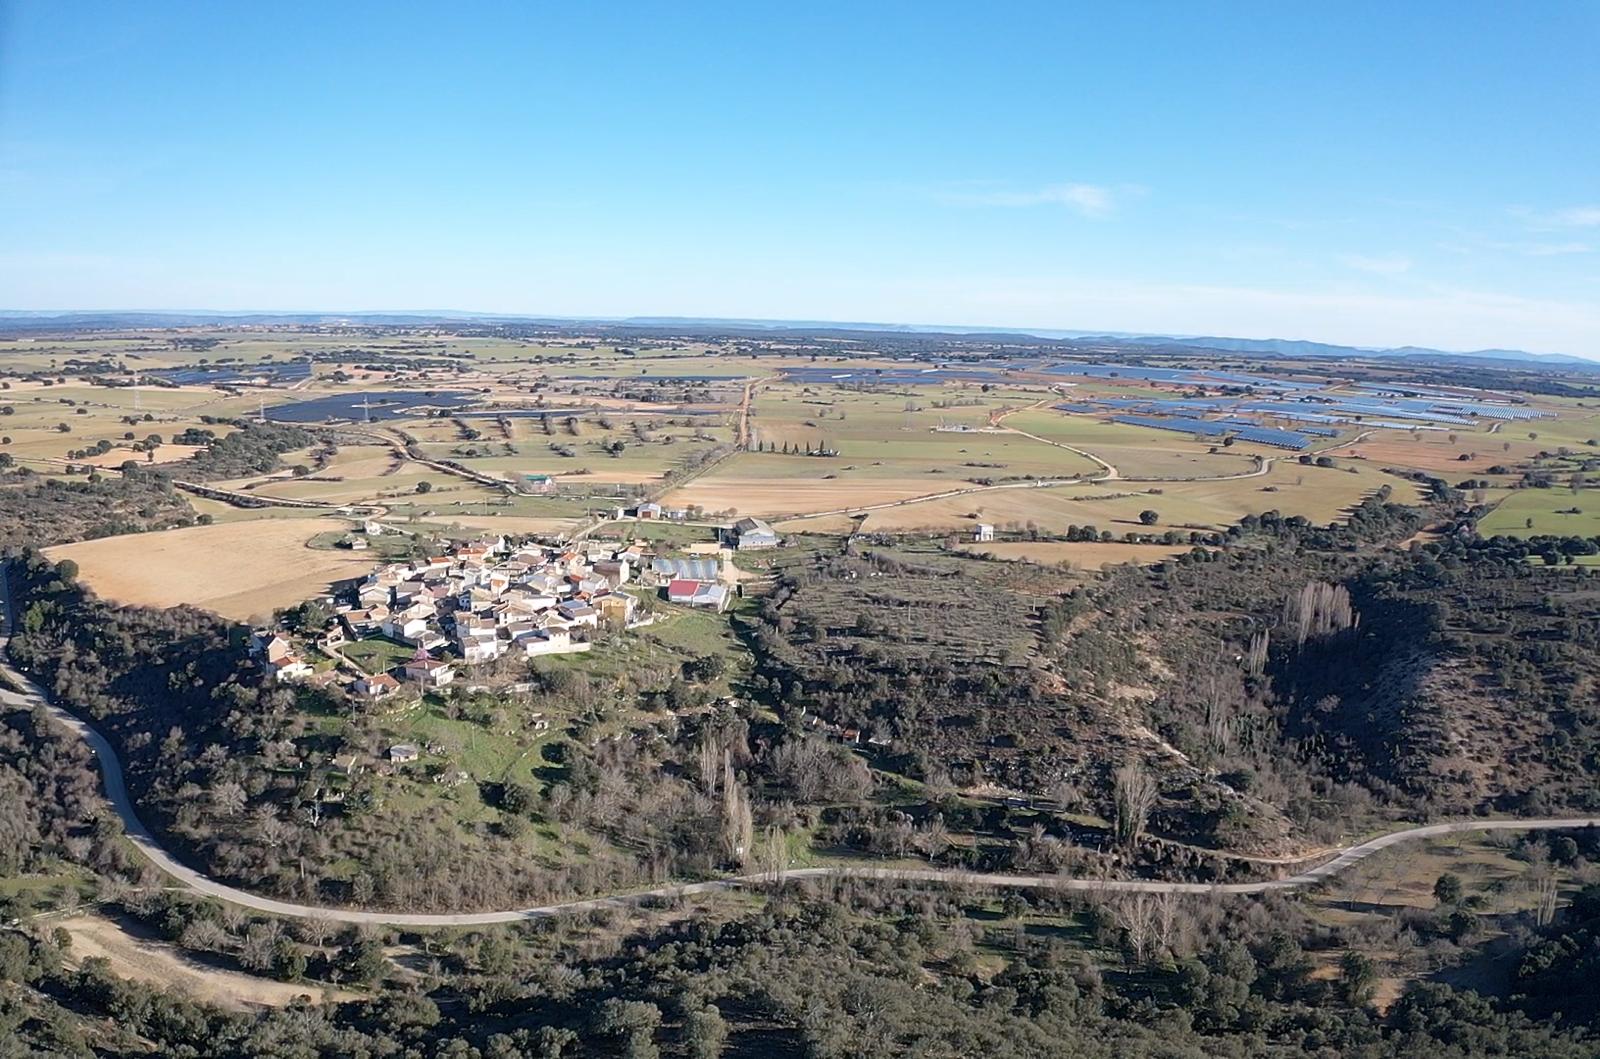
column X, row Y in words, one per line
column 1550, row 511
column 377, row 654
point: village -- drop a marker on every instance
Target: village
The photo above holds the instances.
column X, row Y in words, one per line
column 488, row 600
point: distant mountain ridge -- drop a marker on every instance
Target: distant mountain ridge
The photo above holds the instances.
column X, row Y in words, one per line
column 1280, row 347
column 1302, row 348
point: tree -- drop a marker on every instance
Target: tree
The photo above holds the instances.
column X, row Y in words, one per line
column 516, row 798
column 1135, row 915
column 424, row 487
column 705, row 1032
column 1134, row 796
column 1447, row 889
column 704, row 669
column 737, row 820
column 1358, row 977
column 552, row 1041
column 633, row 1020
column 1149, row 518
column 1319, row 610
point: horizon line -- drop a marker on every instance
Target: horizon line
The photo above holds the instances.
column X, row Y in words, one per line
column 1049, row 333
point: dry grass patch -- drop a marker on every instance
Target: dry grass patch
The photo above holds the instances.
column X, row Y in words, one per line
column 239, row 570
column 799, row 496
column 509, row 523
column 132, row 953
column 1436, row 453
column 164, row 454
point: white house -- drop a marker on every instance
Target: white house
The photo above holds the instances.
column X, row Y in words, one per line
column 577, row 612
column 984, row 532
column 377, row 687
column 429, row 672
column 547, row 641
column 289, row 669
column 475, row 650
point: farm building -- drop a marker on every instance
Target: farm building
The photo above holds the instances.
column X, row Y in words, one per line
column 749, row 533
column 663, row 570
column 542, row 484
column 984, row 532
column 697, row 594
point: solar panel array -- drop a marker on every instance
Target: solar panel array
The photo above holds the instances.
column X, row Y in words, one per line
column 1281, row 439
column 1181, row 425
column 1321, row 432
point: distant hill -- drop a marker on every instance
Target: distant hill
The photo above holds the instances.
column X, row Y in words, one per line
column 1300, row 348
column 1276, row 347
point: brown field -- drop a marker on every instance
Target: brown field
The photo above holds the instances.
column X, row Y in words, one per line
column 239, row 570
column 1082, row 554
column 799, row 496
column 1437, row 453
column 508, row 523
column 164, row 454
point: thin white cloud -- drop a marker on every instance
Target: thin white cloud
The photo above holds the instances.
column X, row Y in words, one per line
column 1088, row 200
column 1552, row 249
column 1580, row 217
column 1548, row 220
column 1387, row 265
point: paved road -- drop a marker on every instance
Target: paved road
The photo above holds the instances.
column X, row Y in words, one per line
column 117, row 793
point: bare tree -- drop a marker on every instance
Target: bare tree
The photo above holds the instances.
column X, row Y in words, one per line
column 775, row 854
column 260, row 942
column 1166, row 921
column 228, row 798
column 1318, row 610
column 710, row 753
column 935, row 838
column 1547, row 887
column 1256, row 659
column 737, row 822
column 1135, row 795
column 1136, row 916
column 1219, row 725
column 316, row 930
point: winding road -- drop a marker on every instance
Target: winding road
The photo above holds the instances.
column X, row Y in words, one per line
column 32, row 697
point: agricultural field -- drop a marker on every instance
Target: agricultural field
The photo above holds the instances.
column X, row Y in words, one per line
column 1557, row 511
column 1321, row 494
column 240, row 570
column 1138, row 452
column 892, row 449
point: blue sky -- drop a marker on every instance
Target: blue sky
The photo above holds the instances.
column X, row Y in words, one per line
column 1423, row 173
